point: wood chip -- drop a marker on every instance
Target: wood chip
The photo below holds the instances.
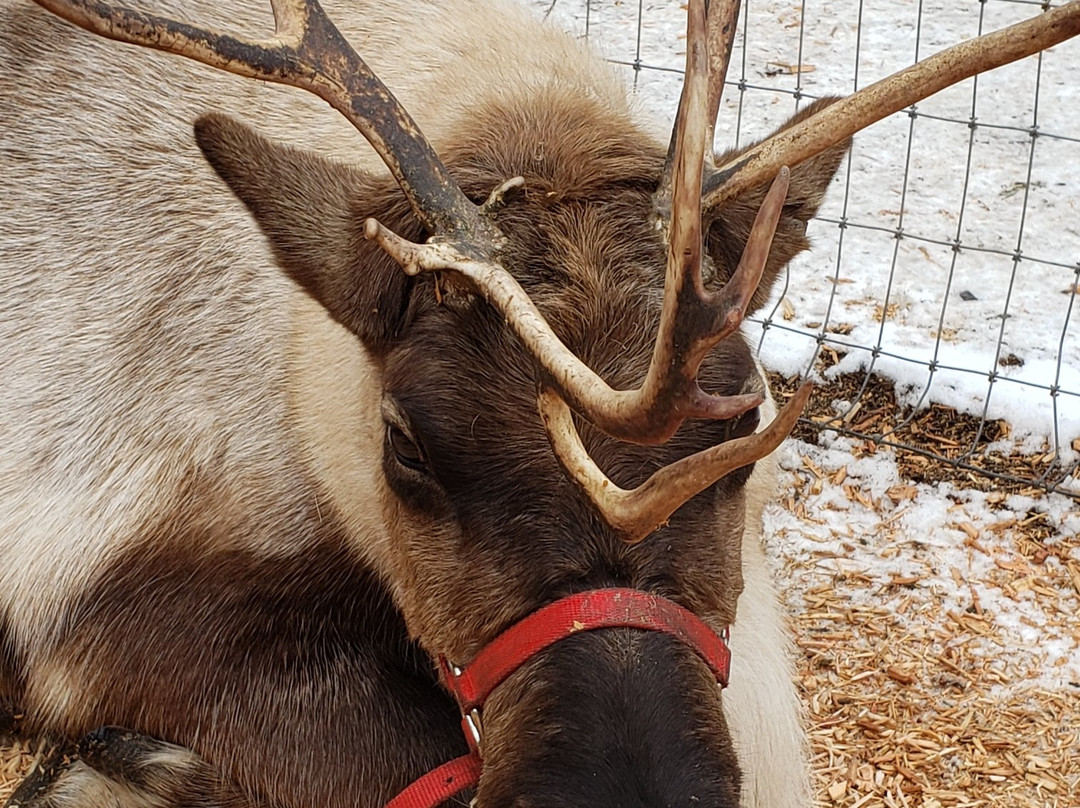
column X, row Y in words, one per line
column 898, row 674
column 917, row 701
column 837, row 790
column 774, row 68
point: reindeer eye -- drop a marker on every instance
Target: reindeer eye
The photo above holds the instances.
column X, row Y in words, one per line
column 405, row 449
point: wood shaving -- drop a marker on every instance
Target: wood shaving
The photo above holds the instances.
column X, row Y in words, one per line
column 916, row 704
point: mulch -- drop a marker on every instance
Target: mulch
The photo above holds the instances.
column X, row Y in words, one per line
column 934, row 444
column 914, row 701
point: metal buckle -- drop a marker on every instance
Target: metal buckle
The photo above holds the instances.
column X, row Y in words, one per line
column 470, row 721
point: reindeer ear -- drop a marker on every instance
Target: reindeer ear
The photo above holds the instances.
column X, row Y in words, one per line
column 731, row 226
column 312, row 211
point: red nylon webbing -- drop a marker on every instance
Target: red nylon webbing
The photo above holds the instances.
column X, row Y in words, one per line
column 440, row 784
column 586, row 611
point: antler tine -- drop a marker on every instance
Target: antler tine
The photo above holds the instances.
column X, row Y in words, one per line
column 636, row 513
column 723, row 16
column 845, row 117
column 307, row 51
column 693, row 320
column 687, row 157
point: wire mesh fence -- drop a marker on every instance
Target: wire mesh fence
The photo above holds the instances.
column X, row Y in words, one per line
column 938, row 304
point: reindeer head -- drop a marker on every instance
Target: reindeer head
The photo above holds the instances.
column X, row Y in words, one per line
column 568, row 403
column 486, row 526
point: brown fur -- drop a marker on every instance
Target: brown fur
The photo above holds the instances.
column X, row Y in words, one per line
column 318, row 630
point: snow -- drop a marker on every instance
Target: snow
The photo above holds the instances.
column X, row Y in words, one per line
column 952, row 541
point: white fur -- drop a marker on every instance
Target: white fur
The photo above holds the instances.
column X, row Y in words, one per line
column 761, row 705
column 83, row 785
column 142, row 319
column 162, row 773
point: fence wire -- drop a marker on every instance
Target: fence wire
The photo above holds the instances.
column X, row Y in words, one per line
column 937, row 304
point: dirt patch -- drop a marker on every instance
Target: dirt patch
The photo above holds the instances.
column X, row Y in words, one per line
column 933, row 444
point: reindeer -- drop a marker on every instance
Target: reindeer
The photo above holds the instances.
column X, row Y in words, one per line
column 268, row 500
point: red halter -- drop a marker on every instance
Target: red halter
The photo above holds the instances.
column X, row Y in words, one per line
column 585, row 611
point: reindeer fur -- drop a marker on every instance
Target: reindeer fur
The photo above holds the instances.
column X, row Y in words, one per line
column 203, row 538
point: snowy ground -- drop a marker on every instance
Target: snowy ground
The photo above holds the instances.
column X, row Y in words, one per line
column 937, row 625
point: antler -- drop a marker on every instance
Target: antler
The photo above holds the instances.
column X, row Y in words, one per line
column 847, row 116
column 692, row 321
column 308, row 52
column 637, row 513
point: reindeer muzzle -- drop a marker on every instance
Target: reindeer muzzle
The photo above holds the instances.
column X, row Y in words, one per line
column 585, row 611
